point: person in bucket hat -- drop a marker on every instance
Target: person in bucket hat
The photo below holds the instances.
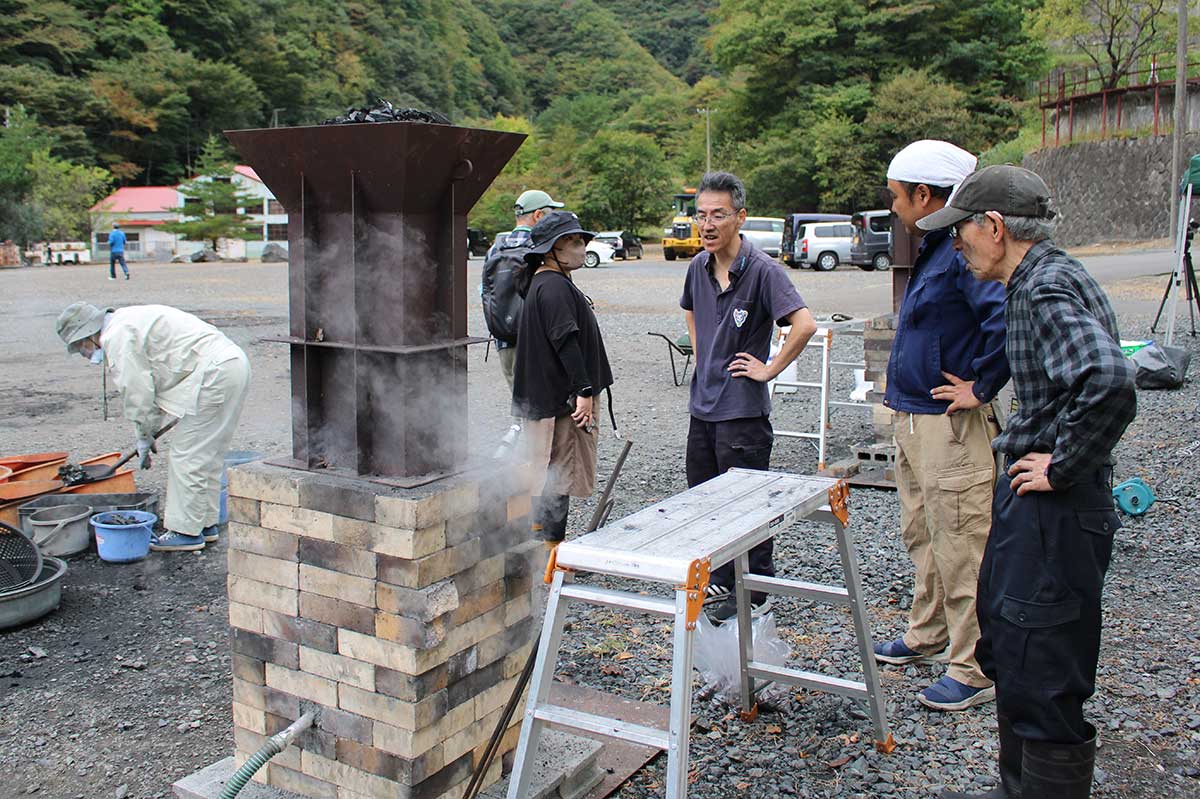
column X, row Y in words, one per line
column 561, row 368
column 166, row 362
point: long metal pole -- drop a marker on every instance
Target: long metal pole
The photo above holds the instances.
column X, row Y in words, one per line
column 1181, row 98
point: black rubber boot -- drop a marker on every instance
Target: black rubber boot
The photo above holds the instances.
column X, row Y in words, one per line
column 1058, row 771
column 1010, row 768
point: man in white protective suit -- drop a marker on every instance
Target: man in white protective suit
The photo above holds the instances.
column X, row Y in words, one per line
column 166, row 362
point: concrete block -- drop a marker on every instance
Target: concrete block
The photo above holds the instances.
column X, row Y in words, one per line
column 299, row 521
column 471, row 685
column 344, row 776
column 250, row 694
column 262, row 541
column 341, row 724
column 517, row 610
column 246, row 617
column 395, row 712
column 461, row 663
column 306, row 632
column 410, row 687
column 410, row 632
column 243, row 510
column 406, row 743
column 264, row 648
column 259, row 567
column 337, row 557
column 338, row 668
column 354, row 533
column 250, row 718
column 383, row 764
column 509, row 640
column 407, row 542
column 478, row 603
column 305, row 686
column 423, row 572
column 486, row 571
column 208, row 782
column 299, row 783
column 278, row 703
column 563, row 761
column 461, row 529
column 379, row 652
column 339, row 496
column 335, row 585
column 492, row 699
column 261, row 481
column 334, row 612
column 450, row 775
column 409, row 512
column 424, row 604
column 262, row 595
column 249, row 669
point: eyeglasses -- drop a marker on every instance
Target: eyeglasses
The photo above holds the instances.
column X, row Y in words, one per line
column 716, row 218
column 995, row 216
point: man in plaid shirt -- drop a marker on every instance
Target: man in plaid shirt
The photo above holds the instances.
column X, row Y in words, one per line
column 1052, row 517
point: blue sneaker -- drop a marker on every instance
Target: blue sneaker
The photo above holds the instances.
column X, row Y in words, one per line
column 212, row 533
column 897, row 653
column 172, row 541
column 950, row 694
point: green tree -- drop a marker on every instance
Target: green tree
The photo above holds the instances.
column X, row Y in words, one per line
column 19, row 140
column 212, row 200
column 627, row 181
column 64, row 192
column 1113, row 34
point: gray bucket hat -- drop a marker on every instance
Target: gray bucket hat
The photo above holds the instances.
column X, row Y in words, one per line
column 553, row 227
column 79, row 321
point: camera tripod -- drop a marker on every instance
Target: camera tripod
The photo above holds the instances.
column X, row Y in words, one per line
column 1188, row 277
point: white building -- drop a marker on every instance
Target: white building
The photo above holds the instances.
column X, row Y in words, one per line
column 142, row 210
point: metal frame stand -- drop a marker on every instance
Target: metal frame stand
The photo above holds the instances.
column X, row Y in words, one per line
column 675, row 542
column 1183, row 276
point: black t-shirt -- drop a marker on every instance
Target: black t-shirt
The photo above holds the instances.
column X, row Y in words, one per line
column 554, row 309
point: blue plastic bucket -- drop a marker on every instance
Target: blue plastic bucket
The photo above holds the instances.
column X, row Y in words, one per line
column 235, row 458
column 123, row 543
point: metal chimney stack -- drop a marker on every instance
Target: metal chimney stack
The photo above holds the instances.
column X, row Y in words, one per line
column 377, row 277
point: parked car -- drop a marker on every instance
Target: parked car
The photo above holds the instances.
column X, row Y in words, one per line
column 597, row 251
column 766, row 232
column 792, row 223
column 871, row 247
column 824, row 245
column 625, row 244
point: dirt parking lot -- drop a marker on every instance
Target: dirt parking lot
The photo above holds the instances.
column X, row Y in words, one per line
column 127, row 687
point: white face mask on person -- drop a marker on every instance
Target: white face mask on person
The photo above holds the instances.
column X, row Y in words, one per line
column 97, row 356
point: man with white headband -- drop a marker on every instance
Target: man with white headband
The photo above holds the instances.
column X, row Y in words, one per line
column 946, row 365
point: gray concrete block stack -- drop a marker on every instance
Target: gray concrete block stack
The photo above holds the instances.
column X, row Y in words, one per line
column 402, row 616
column 878, row 334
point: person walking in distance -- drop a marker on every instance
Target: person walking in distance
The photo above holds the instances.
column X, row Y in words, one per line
column 116, row 252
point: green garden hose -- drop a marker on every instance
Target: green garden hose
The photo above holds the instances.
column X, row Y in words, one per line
column 274, row 745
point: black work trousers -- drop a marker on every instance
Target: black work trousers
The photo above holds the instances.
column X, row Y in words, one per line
column 714, row 448
column 1039, row 604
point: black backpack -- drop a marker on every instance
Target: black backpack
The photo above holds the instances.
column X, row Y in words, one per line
column 505, row 282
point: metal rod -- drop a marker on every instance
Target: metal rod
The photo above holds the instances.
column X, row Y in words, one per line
column 1180, row 128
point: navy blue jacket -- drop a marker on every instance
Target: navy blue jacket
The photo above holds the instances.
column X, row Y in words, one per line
column 948, row 322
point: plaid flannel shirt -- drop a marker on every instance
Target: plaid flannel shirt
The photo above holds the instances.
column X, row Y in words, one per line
column 1074, row 386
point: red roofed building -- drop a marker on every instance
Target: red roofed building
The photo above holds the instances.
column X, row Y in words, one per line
column 142, row 210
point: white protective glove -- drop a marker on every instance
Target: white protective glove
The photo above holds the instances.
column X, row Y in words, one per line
column 144, row 447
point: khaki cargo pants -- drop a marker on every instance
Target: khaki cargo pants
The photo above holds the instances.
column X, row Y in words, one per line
column 945, row 472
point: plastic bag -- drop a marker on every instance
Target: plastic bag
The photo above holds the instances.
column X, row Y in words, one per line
column 1160, row 366
column 715, row 654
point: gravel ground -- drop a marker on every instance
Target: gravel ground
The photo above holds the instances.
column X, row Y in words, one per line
column 127, row 687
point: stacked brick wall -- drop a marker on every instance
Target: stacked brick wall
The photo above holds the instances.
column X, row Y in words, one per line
column 402, row 617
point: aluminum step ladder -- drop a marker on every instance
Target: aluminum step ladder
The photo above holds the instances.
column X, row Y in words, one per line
column 822, row 340
column 677, row 542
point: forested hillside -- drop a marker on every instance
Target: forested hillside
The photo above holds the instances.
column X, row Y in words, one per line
column 808, row 97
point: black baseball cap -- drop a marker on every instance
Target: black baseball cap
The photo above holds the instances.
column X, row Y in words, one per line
column 552, row 227
column 1003, row 188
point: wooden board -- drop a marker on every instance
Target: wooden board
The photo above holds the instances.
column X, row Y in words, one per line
column 713, row 521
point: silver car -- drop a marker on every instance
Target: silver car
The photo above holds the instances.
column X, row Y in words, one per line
column 766, row 232
column 824, row 245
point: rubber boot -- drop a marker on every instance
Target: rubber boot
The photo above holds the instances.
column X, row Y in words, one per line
column 1058, row 771
column 1010, row 767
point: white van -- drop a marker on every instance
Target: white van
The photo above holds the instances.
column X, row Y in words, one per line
column 766, row 232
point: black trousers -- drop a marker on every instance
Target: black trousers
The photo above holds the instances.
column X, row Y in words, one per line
column 714, row 448
column 1039, row 604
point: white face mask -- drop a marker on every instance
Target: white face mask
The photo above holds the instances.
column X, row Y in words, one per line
column 97, row 356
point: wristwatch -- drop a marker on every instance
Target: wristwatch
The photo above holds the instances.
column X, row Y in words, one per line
column 586, row 391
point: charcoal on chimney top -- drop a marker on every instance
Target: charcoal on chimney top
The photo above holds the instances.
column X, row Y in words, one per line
column 383, row 111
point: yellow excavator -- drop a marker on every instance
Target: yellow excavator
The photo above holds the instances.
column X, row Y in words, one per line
column 683, row 240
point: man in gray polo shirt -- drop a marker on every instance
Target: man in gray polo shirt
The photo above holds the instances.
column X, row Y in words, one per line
column 732, row 295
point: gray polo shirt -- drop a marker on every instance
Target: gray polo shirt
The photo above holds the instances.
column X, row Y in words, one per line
column 735, row 320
